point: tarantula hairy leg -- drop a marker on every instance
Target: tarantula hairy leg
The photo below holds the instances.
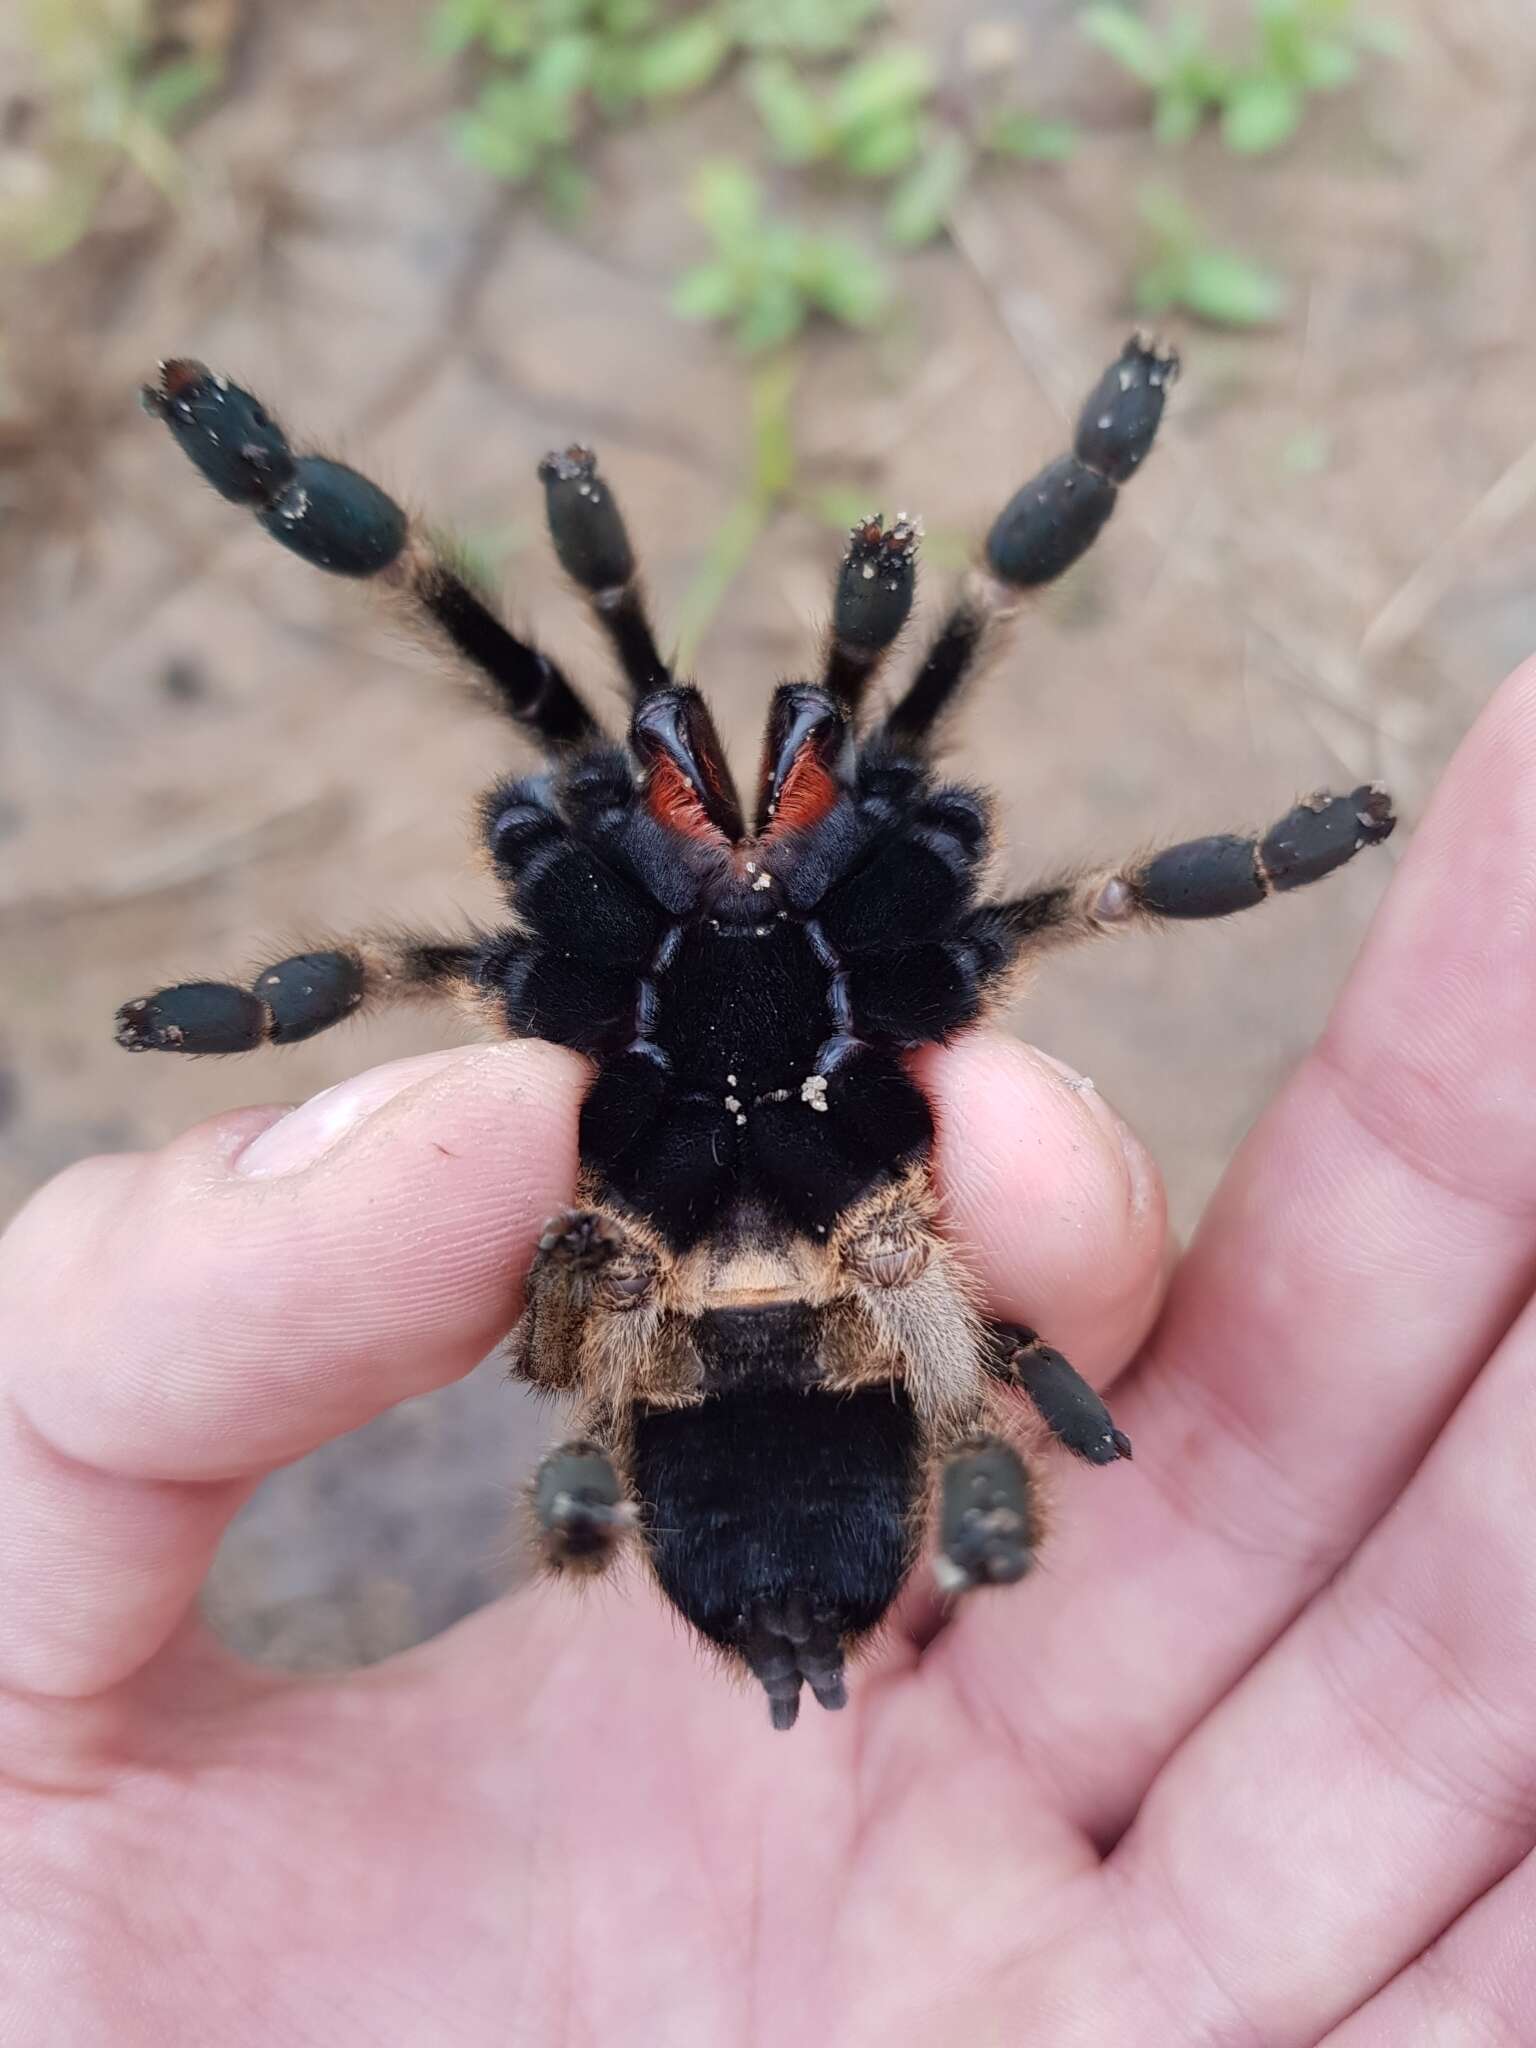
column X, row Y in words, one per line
column 296, row 997
column 580, row 1509
column 986, row 1517
column 1211, row 877
column 288, row 1002
column 595, row 1251
column 1072, row 1411
column 336, row 519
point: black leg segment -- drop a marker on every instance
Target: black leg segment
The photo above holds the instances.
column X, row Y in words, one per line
column 294, row 998
column 520, row 682
column 593, row 545
column 339, row 521
column 986, row 1517
column 1047, row 526
column 1071, row 1410
column 580, row 1509
column 1213, row 877
column 1200, row 878
column 947, row 664
column 870, row 604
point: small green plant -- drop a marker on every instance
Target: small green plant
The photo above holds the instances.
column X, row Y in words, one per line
column 775, row 483
column 870, row 121
column 879, row 120
column 1184, row 271
column 769, row 276
column 770, row 481
column 1186, row 78
column 1299, row 47
column 561, row 69
column 106, row 95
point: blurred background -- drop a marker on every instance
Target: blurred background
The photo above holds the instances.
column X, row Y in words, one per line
column 782, row 261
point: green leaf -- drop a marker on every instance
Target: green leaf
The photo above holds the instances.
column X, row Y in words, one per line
column 728, row 199
column 1329, row 64
column 919, row 205
column 618, row 19
column 1262, row 113
column 565, row 186
column 1158, row 283
column 893, row 81
column 707, row 292
column 559, row 73
column 844, row 281
column 789, row 111
column 1127, row 39
column 557, row 17
column 504, row 152
column 1229, row 291
column 457, row 25
column 809, row 28
column 880, row 148
column 175, row 89
column 454, row 26
column 775, row 313
column 613, row 79
column 1179, row 114
column 513, row 33
column 682, row 59
column 1020, row 134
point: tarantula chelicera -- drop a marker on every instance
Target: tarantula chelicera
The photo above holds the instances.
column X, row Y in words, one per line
column 780, row 1378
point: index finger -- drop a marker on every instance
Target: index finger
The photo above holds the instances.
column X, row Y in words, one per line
column 1370, row 1243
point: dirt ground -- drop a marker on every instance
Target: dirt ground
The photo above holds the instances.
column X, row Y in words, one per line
column 208, row 750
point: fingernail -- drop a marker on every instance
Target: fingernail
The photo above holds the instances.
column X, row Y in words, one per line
column 1141, row 1174
column 316, row 1127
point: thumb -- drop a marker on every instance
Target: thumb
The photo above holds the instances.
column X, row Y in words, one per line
column 269, row 1281
column 173, row 1325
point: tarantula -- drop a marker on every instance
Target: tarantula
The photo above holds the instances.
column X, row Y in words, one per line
column 781, row 1380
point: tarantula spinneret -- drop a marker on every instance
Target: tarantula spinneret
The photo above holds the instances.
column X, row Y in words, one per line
column 782, row 1391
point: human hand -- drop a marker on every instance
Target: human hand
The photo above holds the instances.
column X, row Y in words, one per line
column 1250, row 1759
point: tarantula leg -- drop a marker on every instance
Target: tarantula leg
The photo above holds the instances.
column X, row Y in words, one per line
column 1069, row 1407
column 1200, row 878
column 583, row 1240
column 580, row 1509
column 1044, row 528
column 986, row 1517
column 294, row 998
column 1213, row 877
column 870, row 604
column 592, row 543
column 596, row 1253
column 337, row 520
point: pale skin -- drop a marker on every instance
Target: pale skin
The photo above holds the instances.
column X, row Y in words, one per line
column 1249, row 1761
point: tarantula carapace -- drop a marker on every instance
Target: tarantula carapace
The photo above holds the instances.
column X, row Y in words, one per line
column 780, row 1379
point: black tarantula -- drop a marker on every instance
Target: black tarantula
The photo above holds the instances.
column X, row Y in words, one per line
column 780, row 1377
